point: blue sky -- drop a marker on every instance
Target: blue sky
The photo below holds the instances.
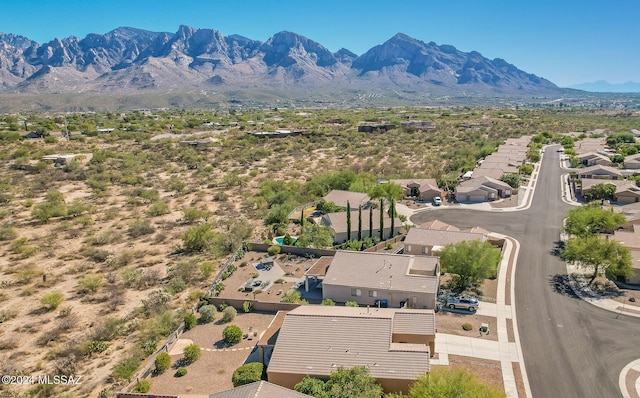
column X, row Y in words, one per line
column 565, row 41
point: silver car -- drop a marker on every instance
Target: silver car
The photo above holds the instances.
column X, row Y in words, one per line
column 465, row 303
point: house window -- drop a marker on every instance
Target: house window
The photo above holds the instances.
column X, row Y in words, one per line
column 408, row 248
column 356, row 292
column 373, row 293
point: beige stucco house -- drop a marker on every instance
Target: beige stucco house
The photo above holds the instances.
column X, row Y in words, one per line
column 421, row 241
column 340, row 198
column 395, row 344
column 371, row 277
column 419, row 189
column 600, row 172
column 593, row 158
column 482, row 189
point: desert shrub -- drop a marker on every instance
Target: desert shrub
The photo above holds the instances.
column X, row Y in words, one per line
column 130, row 276
column 198, row 238
column 229, row 314
column 107, row 329
column 328, row 302
column 176, row 285
column 143, row 386
column 273, row 250
column 94, row 347
column 21, row 248
column 247, row 306
column 192, row 353
column 157, row 302
column 90, row 284
column 206, row 268
column 162, row 362
column 192, row 214
column 190, row 321
column 125, row 369
column 352, row 304
column 158, row 209
column 180, row 372
column 207, row 313
column 52, row 300
column 149, row 346
column 232, row 334
column 7, row 232
column 140, row 228
column 467, row 326
column 247, row 373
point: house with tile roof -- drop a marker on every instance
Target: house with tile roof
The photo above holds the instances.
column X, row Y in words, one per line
column 259, row 389
column 375, row 277
column 482, row 189
column 601, row 172
column 395, row 344
column 340, row 198
column 419, row 188
column 421, row 241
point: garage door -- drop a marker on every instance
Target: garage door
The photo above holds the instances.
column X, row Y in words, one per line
column 476, row 198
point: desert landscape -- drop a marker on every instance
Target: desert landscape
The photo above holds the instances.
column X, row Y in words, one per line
column 102, row 255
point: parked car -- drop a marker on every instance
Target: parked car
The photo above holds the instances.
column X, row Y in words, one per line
column 465, row 303
column 437, row 201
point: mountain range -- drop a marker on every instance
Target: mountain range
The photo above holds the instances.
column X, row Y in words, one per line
column 128, row 60
column 602, row 86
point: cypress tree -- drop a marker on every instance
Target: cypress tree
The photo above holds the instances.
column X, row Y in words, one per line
column 381, row 219
column 371, row 222
column 360, row 222
column 392, row 211
column 348, row 221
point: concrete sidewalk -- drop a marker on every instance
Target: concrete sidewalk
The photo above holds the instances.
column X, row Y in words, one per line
column 474, row 347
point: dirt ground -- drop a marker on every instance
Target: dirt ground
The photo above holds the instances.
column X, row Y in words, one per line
column 212, row 372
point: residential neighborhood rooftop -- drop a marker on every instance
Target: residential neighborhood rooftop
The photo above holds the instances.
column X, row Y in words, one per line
column 384, row 271
column 308, row 342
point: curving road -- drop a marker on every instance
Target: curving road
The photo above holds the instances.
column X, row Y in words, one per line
column 571, row 348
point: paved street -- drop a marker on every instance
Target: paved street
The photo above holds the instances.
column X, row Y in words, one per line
column 571, row 348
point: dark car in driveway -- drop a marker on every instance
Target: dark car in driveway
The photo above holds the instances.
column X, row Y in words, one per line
column 464, row 303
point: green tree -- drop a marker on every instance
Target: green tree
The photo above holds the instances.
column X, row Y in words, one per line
column 314, row 235
column 526, row 169
column 143, row 386
column 198, row 238
column 247, row 373
column 292, row 296
column 348, row 221
column 591, row 219
column 392, row 215
column 449, row 383
column 232, row 334
column 601, row 191
column 360, row 222
column 355, row 382
column 190, row 321
column 470, row 262
column 162, row 362
column 207, row 313
column 191, row 353
column 387, row 190
column 381, row 219
column 602, row 255
column 229, row 314
column 512, row 179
